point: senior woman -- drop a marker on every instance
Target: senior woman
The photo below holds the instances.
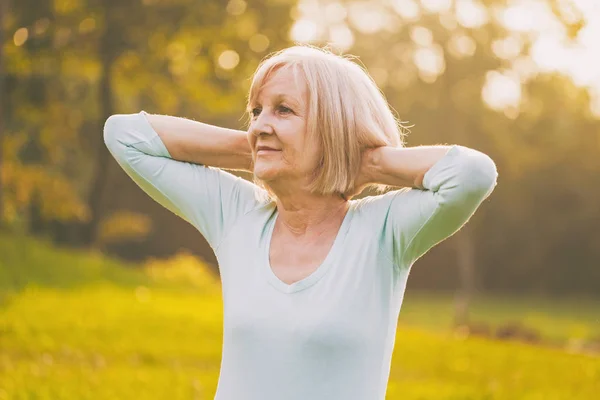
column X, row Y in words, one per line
column 312, row 280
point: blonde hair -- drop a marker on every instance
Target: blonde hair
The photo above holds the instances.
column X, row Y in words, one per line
column 347, row 113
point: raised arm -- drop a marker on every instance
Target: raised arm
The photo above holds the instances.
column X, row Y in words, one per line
column 400, row 166
column 448, row 183
column 201, row 143
column 210, row 199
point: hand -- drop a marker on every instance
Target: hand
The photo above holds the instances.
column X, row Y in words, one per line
column 364, row 177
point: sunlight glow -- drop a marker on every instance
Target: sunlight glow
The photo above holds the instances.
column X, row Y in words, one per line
column 229, row 59
column 304, row 30
column 548, row 53
column 448, row 21
column 569, row 11
column 335, row 13
column 501, row 91
column 529, row 16
column 527, row 20
column 341, row 37
column 408, row 9
column 421, row 36
column 436, row 5
column 310, row 9
column 366, row 18
column 461, row 46
column 508, row 48
column 430, row 61
column 595, row 104
column 552, row 51
column 525, row 67
column 471, row 14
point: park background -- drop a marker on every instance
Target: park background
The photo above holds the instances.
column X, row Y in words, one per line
column 104, row 294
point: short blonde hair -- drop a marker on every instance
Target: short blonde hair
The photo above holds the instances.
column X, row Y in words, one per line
column 346, row 111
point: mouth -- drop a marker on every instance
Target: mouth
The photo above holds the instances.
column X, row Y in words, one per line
column 263, row 150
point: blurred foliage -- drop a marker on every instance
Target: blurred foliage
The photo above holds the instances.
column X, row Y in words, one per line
column 28, row 262
column 538, row 232
column 110, row 342
column 124, row 225
column 71, row 64
column 78, row 324
column 184, row 268
column 88, row 327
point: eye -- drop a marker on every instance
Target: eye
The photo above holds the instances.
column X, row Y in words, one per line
column 255, row 111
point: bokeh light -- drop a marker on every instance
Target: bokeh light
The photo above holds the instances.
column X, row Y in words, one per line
column 471, row 14
column 229, row 59
column 408, row 9
column 20, row 36
column 87, row 25
column 501, row 90
column 258, row 43
column 518, row 80
column 236, row 7
column 461, row 46
column 527, row 21
column 304, row 30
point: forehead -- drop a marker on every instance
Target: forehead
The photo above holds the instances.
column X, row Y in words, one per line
column 283, row 83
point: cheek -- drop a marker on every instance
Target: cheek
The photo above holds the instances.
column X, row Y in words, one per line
column 312, row 154
column 298, row 161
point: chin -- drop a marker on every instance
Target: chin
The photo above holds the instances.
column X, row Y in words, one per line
column 265, row 173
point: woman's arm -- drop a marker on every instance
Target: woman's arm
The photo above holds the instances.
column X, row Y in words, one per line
column 210, row 199
column 201, row 143
column 449, row 184
column 400, row 166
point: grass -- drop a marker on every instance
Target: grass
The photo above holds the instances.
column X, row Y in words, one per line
column 79, row 326
column 556, row 320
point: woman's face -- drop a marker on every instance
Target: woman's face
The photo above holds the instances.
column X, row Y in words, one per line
column 279, row 123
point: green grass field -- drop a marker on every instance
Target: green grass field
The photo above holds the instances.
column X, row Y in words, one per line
column 78, row 326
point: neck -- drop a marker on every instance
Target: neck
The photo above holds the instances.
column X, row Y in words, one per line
column 303, row 213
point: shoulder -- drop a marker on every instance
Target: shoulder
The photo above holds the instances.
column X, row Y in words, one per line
column 377, row 204
column 375, row 210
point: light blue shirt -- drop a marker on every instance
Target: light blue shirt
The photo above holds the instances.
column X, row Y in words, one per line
column 330, row 335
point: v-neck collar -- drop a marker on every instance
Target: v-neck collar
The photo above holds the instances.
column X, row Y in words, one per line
column 316, row 274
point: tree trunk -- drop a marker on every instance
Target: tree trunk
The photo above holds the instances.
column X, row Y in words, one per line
column 465, row 252
column 3, row 11
column 109, row 43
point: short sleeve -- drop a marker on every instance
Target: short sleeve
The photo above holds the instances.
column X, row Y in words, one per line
column 208, row 198
column 454, row 187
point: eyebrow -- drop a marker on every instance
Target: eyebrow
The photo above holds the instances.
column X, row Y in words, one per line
column 280, row 96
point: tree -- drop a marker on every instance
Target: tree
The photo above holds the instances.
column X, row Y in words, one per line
column 3, row 11
column 435, row 67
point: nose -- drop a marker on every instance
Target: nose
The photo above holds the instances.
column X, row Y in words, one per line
column 262, row 125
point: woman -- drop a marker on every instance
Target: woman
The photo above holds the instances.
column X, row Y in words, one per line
column 312, row 280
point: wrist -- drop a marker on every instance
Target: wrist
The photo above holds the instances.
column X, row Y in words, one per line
column 243, row 152
column 371, row 165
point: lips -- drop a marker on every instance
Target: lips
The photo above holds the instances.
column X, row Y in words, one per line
column 267, row 148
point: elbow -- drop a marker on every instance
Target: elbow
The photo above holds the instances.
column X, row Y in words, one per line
column 121, row 130
column 480, row 174
column 110, row 131
column 124, row 133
